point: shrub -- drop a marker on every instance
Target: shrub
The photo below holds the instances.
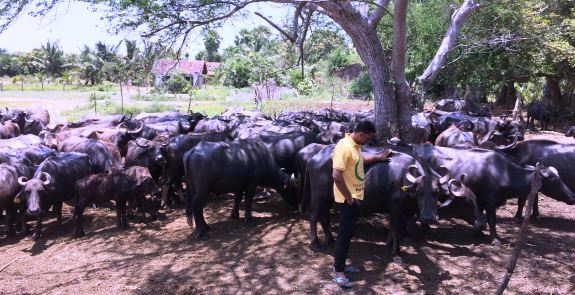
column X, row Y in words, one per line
column 338, row 59
column 361, row 86
column 305, row 86
column 177, row 84
column 236, row 72
column 294, row 77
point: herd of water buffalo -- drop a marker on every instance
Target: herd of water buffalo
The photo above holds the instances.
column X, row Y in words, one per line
column 151, row 160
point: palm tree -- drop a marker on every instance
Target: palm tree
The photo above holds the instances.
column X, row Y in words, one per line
column 51, row 60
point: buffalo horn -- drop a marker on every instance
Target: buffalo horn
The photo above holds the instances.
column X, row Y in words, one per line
column 28, row 120
column 48, row 178
column 512, row 144
column 410, row 177
column 447, row 202
column 138, row 142
column 22, row 180
column 445, row 177
column 137, row 129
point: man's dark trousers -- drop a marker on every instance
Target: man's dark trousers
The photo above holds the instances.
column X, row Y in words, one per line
column 348, row 217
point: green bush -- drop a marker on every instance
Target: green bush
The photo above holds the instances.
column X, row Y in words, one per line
column 177, row 84
column 305, row 86
column 236, row 72
column 361, row 86
column 338, row 59
column 294, row 77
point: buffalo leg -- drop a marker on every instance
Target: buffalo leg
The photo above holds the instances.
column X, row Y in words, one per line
column 326, row 226
column 198, row 214
column 58, row 212
column 189, row 204
column 10, row 212
column 121, row 214
column 79, row 214
column 521, row 204
column 395, row 227
column 491, row 220
column 165, row 191
column 249, row 199
column 38, row 230
column 313, row 218
column 236, row 209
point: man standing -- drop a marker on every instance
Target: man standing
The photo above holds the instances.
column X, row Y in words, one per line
column 349, row 184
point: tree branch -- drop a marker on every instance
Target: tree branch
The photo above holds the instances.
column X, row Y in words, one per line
column 290, row 36
column 458, row 19
column 378, row 13
column 399, row 40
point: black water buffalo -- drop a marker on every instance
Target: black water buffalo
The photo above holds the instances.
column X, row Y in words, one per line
column 147, row 153
column 173, row 152
column 33, row 154
column 570, row 131
column 455, row 105
column 9, row 173
column 549, row 153
column 9, row 130
column 541, row 111
column 31, row 121
column 301, row 159
column 53, row 183
column 493, row 178
column 100, row 119
column 236, row 167
column 389, row 187
column 110, row 185
column 285, row 146
column 101, row 157
column 455, row 137
column 145, row 185
column 21, row 141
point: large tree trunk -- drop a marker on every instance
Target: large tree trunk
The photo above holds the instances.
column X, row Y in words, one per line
column 554, row 92
column 370, row 50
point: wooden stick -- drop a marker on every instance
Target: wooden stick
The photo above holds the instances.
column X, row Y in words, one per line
column 8, row 264
column 535, row 186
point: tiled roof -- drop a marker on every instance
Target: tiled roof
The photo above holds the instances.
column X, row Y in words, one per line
column 185, row 67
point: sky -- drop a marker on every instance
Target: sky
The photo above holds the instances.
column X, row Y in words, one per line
column 74, row 24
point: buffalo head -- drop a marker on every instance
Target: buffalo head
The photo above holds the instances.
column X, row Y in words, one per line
column 33, row 190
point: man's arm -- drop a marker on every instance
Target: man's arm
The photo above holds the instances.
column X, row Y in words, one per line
column 340, row 184
column 383, row 156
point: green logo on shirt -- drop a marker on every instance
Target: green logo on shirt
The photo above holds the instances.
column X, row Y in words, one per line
column 356, row 173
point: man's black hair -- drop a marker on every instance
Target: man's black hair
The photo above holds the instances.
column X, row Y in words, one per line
column 365, row 127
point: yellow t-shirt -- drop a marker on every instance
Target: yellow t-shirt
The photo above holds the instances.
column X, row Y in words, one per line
column 347, row 158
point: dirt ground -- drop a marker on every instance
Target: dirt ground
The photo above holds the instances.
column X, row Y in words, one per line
column 272, row 257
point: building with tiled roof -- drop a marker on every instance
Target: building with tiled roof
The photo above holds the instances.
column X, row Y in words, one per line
column 194, row 70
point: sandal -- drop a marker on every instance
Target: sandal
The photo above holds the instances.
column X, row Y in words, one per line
column 351, row 269
column 342, row 282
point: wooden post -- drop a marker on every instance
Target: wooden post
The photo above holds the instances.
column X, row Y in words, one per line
column 332, row 94
column 535, row 186
column 121, row 97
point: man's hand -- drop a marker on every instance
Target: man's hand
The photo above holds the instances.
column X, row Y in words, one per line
column 385, row 155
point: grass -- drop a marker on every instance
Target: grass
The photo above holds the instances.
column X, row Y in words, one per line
column 211, row 100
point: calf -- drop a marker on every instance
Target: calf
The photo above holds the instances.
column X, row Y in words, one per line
column 145, row 185
column 109, row 185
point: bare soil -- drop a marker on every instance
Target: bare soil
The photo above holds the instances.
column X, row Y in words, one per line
column 272, row 257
